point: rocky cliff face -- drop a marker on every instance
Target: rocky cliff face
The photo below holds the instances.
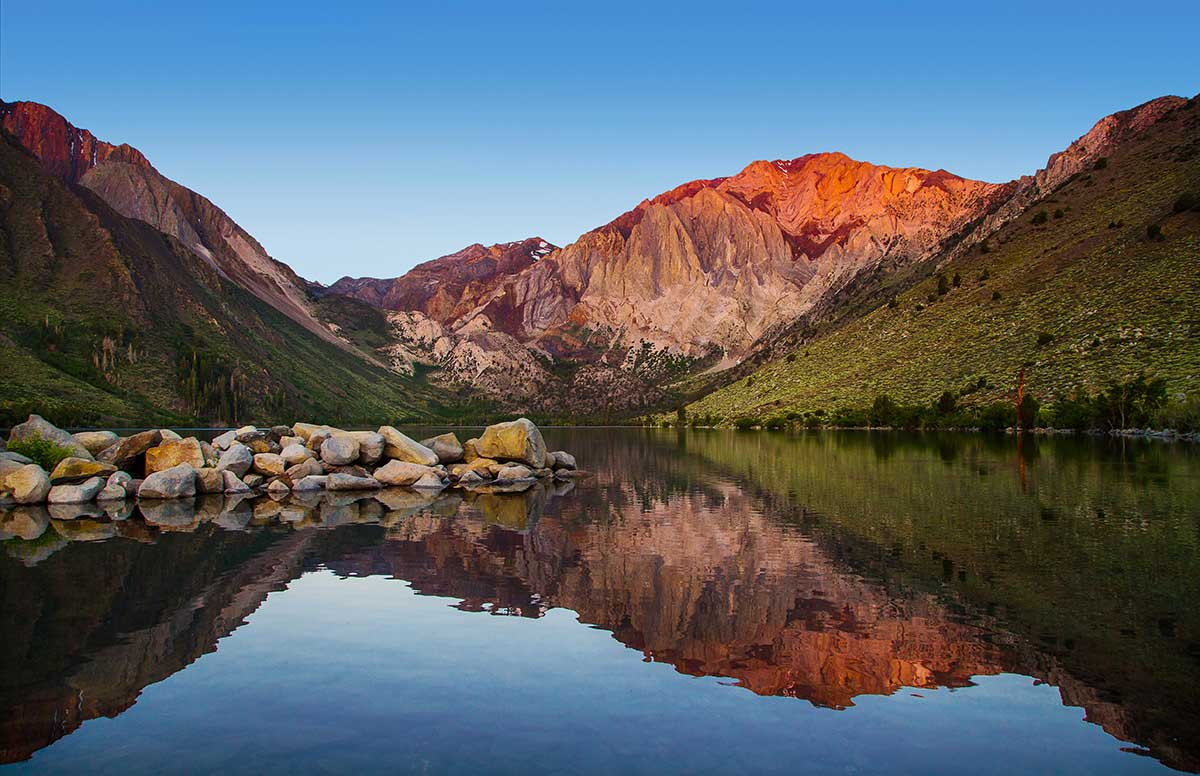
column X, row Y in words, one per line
column 125, row 179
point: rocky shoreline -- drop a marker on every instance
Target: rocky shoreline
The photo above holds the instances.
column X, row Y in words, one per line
column 159, row 464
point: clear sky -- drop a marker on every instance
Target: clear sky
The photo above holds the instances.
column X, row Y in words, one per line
column 361, row 138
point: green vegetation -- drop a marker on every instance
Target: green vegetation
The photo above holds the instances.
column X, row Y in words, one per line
column 1089, row 303
column 44, row 452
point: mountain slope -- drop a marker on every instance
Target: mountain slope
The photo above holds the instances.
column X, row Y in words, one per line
column 106, row 319
column 1064, row 280
column 124, row 178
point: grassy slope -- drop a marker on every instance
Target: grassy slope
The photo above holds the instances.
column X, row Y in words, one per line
column 1115, row 302
column 73, row 272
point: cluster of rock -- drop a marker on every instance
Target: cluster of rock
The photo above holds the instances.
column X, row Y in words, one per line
column 305, row 457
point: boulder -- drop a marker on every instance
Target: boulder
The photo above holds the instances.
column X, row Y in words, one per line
column 37, row 426
column 177, row 482
column 96, row 442
column 370, row 446
column 399, row 447
column 210, row 480
column 307, row 468
column 305, row 430
column 128, row 453
column 446, row 447
column 513, row 473
column 237, row 458
column 280, row 431
column 28, row 484
column 470, row 477
column 340, row 450
column 561, row 460
column 470, row 450
column 294, row 454
column 73, row 470
column 340, row 481
column 123, row 481
column 111, row 493
column 429, row 481
column 231, row 484
column 16, row 458
column 253, row 480
column 311, row 482
column 168, row 435
column 354, row 470
column 516, row 440
column 172, row 453
column 317, row 438
column 7, row 466
column 269, row 464
column 287, row 440
column 76, row 494
column 481, row 466
column 223, row 441
column 211, row 454
column 278, row 487
column 402, row 473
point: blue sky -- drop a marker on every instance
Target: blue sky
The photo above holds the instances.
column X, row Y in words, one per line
column 362, row 138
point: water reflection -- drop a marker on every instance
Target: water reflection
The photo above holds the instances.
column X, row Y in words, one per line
column 821, row 567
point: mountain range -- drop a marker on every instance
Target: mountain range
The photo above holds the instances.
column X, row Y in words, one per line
column 790, row 285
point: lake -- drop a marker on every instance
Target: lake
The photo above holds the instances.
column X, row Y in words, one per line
column 704, row 601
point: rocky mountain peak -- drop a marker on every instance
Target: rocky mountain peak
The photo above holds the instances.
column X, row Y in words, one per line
column 63, row 149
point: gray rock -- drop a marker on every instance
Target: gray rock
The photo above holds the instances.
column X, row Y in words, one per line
column 370, row 446
column 96, row 442
column 429, row 481
column 562, row 460
column 340, row 481
column 76, row 494
column 209, row 480
column 254, row 480
column 311, row 482
column 232, row 484
column 223, row 441
column 237, row 458
column 307, row 468
column 340, row 450
column 121, row 480
column 176, row 482
column 37, row 426
column 169, row 436
column 111, row 493
column 470, row 477
column 294, row 454
column 278, row 487
column 446, row 447
column 129, row 452
column 8, row 455
column 513, row 473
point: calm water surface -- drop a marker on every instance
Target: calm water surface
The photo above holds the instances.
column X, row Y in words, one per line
column 705, row 602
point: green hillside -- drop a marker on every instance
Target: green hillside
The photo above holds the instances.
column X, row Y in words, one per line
column 1096, row 283
column 106, row 320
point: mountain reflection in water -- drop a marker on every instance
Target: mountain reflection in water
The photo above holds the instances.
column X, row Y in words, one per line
column 822, row 567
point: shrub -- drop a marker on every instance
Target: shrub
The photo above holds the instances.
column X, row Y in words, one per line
column 1073, row 412
column 1028, row 411
column 997, row 416
column 983, row 276
column 1189, row 200
column 1182, row 415
column 1040, row 218
column 1058, row 213
column 883, row 411
column 985, row 247
column 996, row 296
column 746, row 423
column 791, row 358
column 44, row 452
column 848, row 417
column 947, row 403
column 957, row 280
column 943, row 287
column 1101, row 163
column 1154, row 232
column 1115, row 224
column 893, row 304
column 1044, row 338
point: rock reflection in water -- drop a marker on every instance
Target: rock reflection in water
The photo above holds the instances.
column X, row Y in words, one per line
column 691, row 564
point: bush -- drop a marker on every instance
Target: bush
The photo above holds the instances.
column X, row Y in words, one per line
column 1101, row 163
column 746, row 423
column 791, row 358
column 983, row 276
column 883, row 411
column 1028, row 411
column 946, row 403
column 1058, row 213
column 1044, row 338
column 957, row 280
column 848, row 417
column 997, row 416
column 43, row 452
column 1073, row 412
column 893, row 304
column 1189, row 200
column 985, row 247
column 1182, row 415
column 1154, row 232
column 1040, row 218
column 943, row 287
column 997, row 296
